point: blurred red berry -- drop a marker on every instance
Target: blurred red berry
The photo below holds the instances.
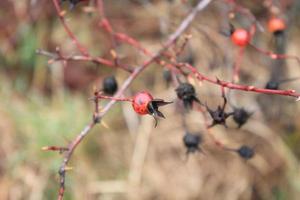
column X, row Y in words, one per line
column 276, row 25
column 240, row 37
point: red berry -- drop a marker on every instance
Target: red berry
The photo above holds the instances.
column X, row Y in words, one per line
column 276, row 25
column 141, row 101
column 240, row 37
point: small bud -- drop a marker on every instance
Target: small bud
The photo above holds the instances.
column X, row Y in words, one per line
column 272, row 85
column 191, row 142
column 246, row 152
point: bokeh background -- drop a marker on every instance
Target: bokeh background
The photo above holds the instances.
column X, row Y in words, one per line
column 43, row 104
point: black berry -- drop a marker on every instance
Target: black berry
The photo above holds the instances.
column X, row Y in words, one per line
column 246, row 152
column 110, row 85
column 240, row 116
column 186, row 92
column 219, row 115
column 272, row 85
column 191, row 142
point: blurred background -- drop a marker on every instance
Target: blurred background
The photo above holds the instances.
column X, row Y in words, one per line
column 45, row 104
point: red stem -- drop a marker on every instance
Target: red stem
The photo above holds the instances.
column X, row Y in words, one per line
column 81, row 48
column 237, row 65
column 113, row 98
column 274, row 55
column 230, row 85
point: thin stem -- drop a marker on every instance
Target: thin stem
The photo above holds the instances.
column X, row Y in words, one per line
column 237, row 65
column 97, row 60
column 80, row 47
column 113, row 98
column 276, row 56
column 230, row 85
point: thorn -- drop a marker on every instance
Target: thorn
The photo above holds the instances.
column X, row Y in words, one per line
column 68, row 168
column 188, row 36
column 94, row 88
column 46, row 148
column 54, row 148
column 113, row 53
column 104, row 124
column 162, row 62
column 236, row 78
column 191, row 80
column 62, row 13
column 218, row 81
column 51, row 61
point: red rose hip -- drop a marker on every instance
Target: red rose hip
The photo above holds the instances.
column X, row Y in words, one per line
column 240, row 37
column 140, row 102
column 276, row 25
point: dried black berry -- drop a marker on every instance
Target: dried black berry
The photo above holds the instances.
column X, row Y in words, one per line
column 219, row 116
column 186, row 92
column 191, row 142
column 110, row 85
column 246, row 152
column 272, row 85
column 241, row 116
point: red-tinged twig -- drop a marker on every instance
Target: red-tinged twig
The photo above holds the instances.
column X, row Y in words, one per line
column 60, row 14
column 237, row 65
column 55, row 148
column 244, row 11
column 99, row 96
column 171, row 40
column 233, row 86
column 274, row 55
column 97, row 60
column 96, row 118
column 129, row 40
column 105, row 24
column 80, row 47
column 182, row 47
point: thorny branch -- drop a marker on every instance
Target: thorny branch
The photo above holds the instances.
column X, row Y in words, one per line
column 247, row 88
column 171, row 40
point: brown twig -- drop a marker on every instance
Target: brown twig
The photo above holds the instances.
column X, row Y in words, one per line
column 97, row 60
